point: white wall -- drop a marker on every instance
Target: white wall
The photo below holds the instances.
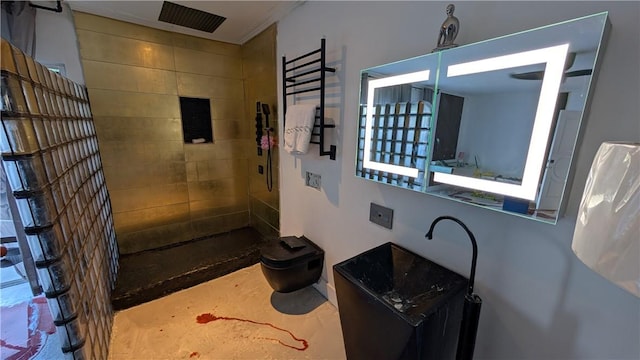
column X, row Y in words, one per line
column 494, row 122
column 540, row 301
column 57, row 43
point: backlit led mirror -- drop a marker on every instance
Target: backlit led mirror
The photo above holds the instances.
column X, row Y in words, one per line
column 492, row 124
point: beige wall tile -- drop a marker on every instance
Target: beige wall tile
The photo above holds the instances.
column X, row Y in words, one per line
column 213, row 189
column 219, row 224
column 110, row 76
column 230, row 129
column 137, row 220
column 136, row 129
column 162, row 190
column 113, row 152
column 195, row 85
column 149, row 196
column 199, row 44
column 192, row 171
column 120, row 28
column 218, row 206
column 136, row 175
column 132, row 104
column 119, row 50
column 200, row 62
column 155, row 237
column 267, row 231
column 266, row 213
column 229, row 109
column 200, row 152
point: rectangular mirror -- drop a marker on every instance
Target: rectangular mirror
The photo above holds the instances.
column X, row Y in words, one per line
column 493, row 124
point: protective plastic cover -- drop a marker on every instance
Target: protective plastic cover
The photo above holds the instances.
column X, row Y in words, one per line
column 607, row 233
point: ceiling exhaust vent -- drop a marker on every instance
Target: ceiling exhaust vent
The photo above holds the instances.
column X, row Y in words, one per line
column 192, row 18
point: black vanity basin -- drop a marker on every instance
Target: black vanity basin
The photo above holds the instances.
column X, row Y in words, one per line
column 394, row 304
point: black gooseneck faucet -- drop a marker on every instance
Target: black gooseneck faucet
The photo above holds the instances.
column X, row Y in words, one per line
column 472, row 302
column 472, row 274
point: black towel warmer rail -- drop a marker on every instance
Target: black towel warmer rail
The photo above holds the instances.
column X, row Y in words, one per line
column 312, row 74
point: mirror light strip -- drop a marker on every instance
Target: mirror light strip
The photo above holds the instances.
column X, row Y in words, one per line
column 379, row 83
column 554, row 57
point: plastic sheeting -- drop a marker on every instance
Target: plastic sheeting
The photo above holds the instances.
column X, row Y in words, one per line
column 607, row 233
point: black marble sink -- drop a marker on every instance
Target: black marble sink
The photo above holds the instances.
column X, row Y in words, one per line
column 394, row 304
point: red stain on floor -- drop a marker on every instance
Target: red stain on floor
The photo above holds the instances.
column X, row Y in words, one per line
column 209, row 317
column 23, row 343
column 194, row 354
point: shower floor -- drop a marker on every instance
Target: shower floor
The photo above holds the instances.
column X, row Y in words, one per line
column 151, row 274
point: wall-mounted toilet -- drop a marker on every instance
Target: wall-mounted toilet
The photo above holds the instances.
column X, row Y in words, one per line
column 291, row 263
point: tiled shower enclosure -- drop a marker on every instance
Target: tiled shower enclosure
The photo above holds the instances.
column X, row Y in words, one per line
column 50, row 155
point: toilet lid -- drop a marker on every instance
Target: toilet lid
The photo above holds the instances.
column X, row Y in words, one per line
column 287, row 251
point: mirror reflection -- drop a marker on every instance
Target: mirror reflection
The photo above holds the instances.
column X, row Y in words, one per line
column 493, row 124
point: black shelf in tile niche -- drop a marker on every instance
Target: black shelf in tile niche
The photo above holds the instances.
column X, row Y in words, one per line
column 196, row 120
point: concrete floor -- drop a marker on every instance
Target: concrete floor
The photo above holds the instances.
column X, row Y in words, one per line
column 237, row 316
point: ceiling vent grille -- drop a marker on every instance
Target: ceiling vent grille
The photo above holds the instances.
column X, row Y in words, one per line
column 192, row 18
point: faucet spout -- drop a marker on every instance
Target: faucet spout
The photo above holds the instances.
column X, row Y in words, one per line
column 472, row 273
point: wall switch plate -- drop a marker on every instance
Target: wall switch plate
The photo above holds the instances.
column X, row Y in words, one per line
column 312, row 180
column 381, row 215
column 260, row 169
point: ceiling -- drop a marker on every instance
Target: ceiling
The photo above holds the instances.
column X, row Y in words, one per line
column 245, row 19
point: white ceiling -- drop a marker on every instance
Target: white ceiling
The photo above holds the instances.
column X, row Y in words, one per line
column 245, row 19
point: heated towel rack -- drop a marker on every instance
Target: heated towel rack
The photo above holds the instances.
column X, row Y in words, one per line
column 307, row 73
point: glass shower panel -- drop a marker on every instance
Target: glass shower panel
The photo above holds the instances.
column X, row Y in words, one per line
column 50, row 155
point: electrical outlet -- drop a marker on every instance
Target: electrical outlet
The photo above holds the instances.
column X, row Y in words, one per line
column 260, row 169
column 312, row 180
column 381, row 215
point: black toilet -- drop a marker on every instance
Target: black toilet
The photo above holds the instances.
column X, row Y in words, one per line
column 291, row 263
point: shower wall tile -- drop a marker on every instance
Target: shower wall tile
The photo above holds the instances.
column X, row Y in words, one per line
column 258, row 182
column 196, row 85
column 219, row 224
column 220, row 188
column 139, row 220
column 155, row 237
column 192, row 171
column 229, row 109
column 114, row 152
column 133, row 104
column 222, row 149
column 234, row 149
column 259, row 70
column 110, row 76
column 141, row 175
column 114, row 49
column 268, row 214
column 138, row 129
column 200, row 44
column 220, row 169
column 217, row 207
column 269, row 198
column 230, row 129
column 149, row 196
column 204, row 63
column 264, row 228
column 135, row 76
column 120, row 28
